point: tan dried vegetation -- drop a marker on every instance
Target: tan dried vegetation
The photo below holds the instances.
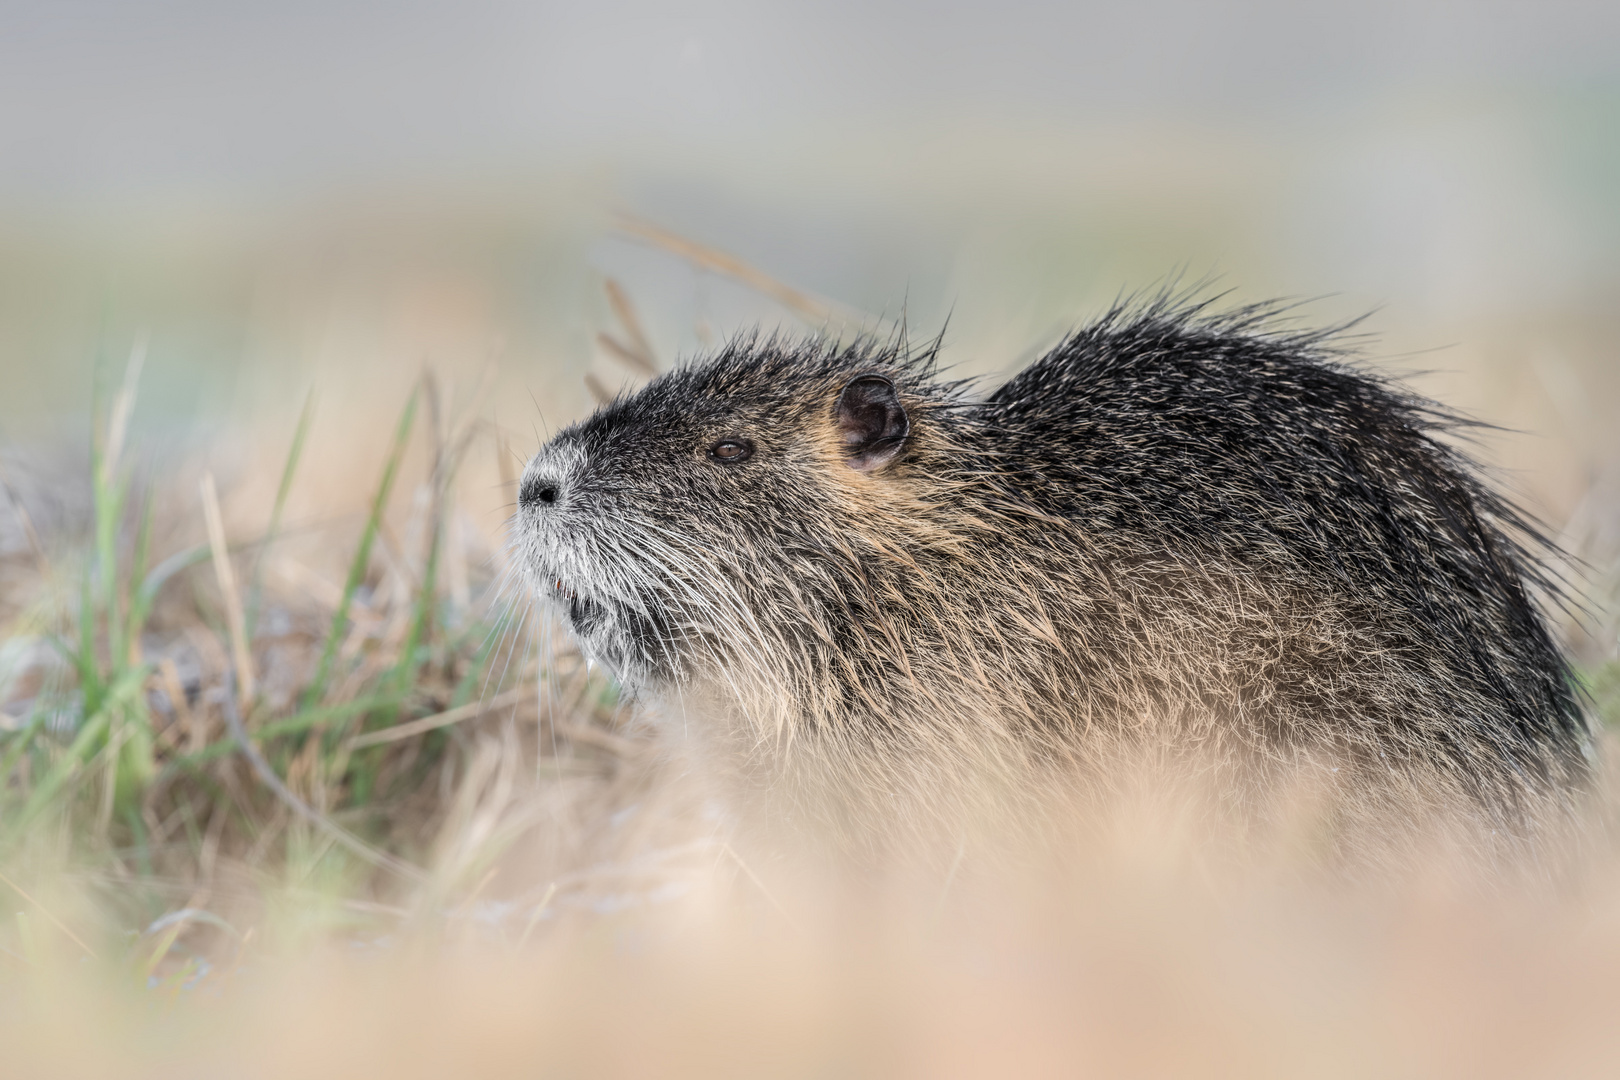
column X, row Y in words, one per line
column 265, row 814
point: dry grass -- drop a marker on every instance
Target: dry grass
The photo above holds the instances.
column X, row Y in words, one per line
column 321, row 801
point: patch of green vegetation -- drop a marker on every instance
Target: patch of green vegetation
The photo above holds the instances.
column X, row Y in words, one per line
column 146, row 780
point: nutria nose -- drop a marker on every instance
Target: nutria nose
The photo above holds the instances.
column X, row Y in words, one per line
column 538, row 489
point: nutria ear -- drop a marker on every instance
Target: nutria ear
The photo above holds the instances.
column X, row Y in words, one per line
column 872, row 422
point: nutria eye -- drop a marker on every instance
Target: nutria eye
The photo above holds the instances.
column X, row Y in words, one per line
column 732, row 451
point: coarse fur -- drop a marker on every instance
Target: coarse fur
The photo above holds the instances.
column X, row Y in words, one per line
column 894, row 602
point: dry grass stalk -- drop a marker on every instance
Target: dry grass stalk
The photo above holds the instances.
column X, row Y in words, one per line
column 123, row 407
column 618, row 350
column 226, row 576
column 41, row 561
column 268, row 775
column 814, row 310
column 469, row 711
column 639, row 352
column 50, row 916
column 599, row 393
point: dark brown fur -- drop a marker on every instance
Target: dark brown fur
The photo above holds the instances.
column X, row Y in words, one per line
column 904, row 605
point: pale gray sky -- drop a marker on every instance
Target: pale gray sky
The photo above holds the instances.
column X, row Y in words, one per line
column 125, row 98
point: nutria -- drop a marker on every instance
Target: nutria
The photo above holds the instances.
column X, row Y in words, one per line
column 844, row 573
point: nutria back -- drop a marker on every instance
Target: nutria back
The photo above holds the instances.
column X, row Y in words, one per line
column 875, row 596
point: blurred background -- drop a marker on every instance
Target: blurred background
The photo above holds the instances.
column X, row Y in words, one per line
column 450, row 228
column 339, row 194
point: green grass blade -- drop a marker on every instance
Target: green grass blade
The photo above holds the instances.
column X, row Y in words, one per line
column 404, row 673
column 109, row 507
column 84, row 659
column 81, row 749
column 169, row 567
column 20, row 741
column 140, row 603
column 303, row 721
column 85, row 744
column 137, row 757
column 296, row 451
column 362, row 556
column 400, row 679
column 143, row 847
column 295, row 724
column 476, row 676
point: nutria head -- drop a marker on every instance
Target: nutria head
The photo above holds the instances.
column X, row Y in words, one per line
column 678, row 529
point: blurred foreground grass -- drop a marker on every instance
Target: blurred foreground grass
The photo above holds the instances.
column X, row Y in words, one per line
column 322, row 800
column 185, row 740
